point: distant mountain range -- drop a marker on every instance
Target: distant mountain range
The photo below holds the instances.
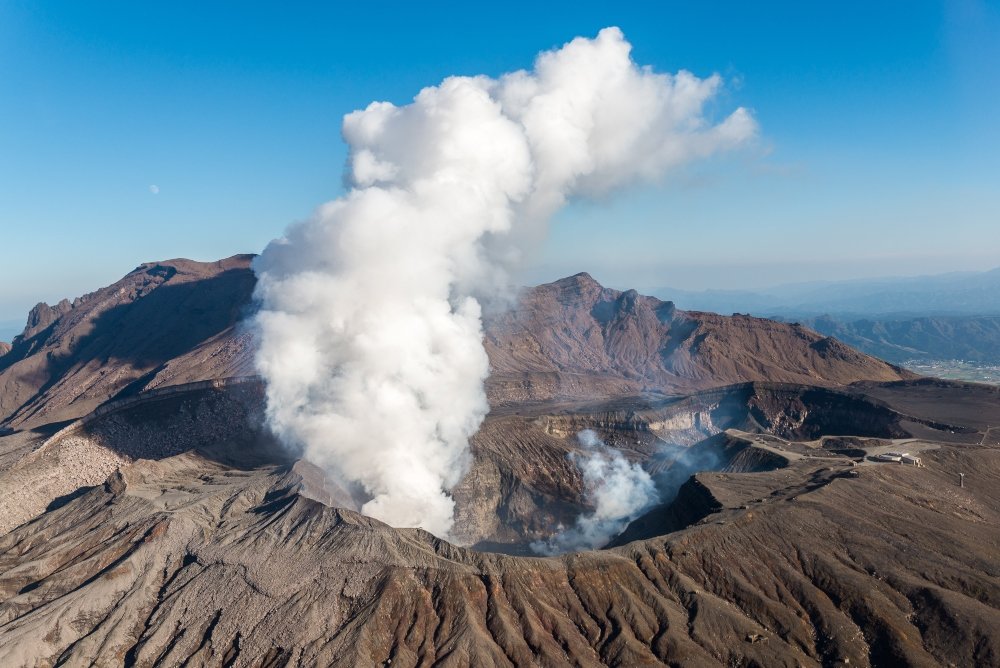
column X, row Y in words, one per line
column 960, row 293
column 899, row 340
column 943, row 317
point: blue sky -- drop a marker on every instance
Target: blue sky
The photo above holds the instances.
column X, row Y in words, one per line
column 879, row 154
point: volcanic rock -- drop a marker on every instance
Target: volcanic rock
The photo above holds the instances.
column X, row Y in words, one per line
column 576, row 339
column 147, row 516
column 163, row 323
column 177, row 321
column 199, row 557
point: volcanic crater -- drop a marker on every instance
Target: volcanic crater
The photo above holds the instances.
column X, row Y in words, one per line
column 149, row 518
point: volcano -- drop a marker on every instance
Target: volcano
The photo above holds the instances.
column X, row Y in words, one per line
column 148, row 517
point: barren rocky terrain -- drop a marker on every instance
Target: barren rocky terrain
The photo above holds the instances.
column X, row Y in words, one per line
column 148, row 518
column 164, row 323
column 576, row 339
column 179, row 321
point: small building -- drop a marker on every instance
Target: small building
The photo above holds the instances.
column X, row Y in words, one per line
column 911, row 460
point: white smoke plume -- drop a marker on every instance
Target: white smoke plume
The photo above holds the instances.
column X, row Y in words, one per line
column 369, row 322
column 618, row 490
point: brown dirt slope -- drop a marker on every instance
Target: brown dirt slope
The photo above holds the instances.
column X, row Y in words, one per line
column 575, row 338
column 165, row 322
column 173, row 531
column 176, row 321
column 521, row 483
column 184, row 561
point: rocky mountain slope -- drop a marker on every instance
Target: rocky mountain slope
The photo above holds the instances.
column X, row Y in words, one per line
column 178, row 321
column 575, row 338
column 164, row 323
column 147, row 518
column 222, row 556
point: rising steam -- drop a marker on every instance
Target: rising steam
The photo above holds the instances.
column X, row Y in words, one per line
column 618, row 490
column 370, row 330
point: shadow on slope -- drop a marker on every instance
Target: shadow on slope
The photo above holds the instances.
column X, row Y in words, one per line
column 159, row 320
column 222, row 422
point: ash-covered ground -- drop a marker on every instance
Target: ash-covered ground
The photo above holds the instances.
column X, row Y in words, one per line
column 148, row 517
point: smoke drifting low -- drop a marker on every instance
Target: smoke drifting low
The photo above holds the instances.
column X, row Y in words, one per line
column 369, row 327
column 618, row 490
column 681, row 462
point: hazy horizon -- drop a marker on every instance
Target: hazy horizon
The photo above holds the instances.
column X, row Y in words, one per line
column 14, row 324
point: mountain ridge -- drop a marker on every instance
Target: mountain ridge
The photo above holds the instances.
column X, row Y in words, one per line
column 168, row 527
column 954, row 293
column 576, row 327
column 179, row 321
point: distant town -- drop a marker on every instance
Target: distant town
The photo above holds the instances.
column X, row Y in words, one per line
column 975, row 372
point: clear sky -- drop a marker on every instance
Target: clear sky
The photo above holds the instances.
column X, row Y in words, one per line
column 134, row 131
